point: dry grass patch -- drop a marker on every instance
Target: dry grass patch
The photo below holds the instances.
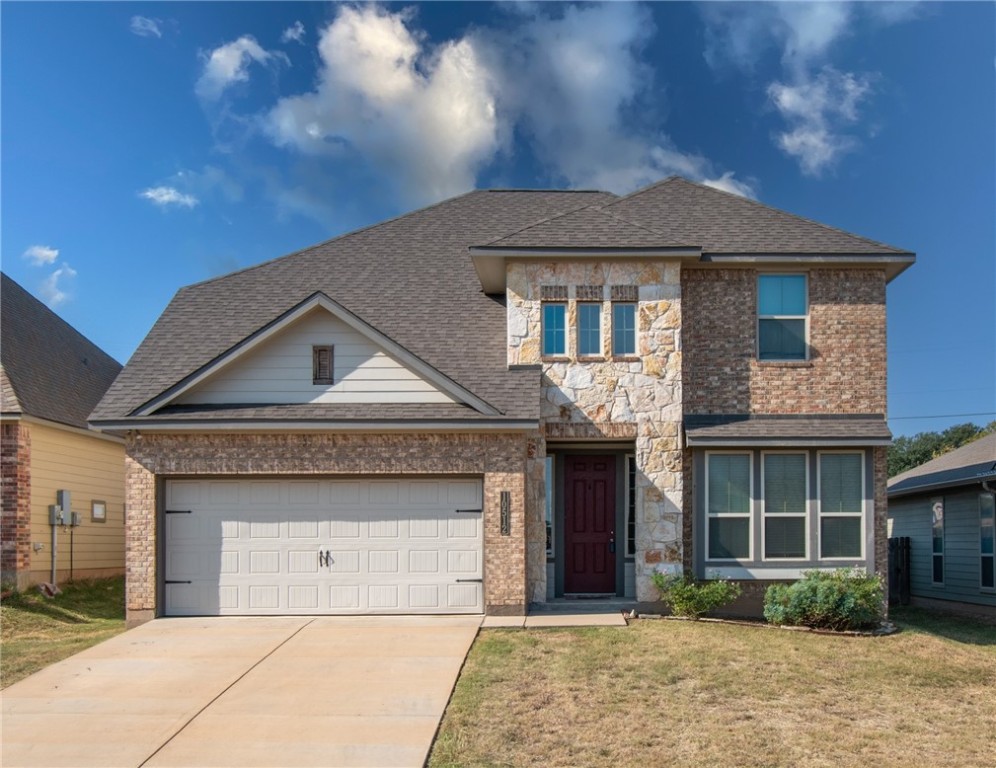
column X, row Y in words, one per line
column 37, row 631
column 684, row 693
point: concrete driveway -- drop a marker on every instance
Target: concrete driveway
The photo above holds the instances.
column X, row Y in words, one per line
column 243, row 692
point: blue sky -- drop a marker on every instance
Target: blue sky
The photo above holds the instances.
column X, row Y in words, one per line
column 146, row 146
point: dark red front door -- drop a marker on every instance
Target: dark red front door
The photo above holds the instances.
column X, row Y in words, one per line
column 589, row 524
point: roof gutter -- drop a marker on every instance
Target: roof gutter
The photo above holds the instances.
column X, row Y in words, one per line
column 982, row 478
column 894, row 264
column 782, row 442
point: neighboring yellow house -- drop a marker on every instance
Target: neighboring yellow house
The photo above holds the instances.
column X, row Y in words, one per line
column 51, row 377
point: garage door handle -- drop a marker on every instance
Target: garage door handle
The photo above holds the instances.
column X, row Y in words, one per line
column 177, row 512
column 470, row 581
column 469, row 511
column 170, row 581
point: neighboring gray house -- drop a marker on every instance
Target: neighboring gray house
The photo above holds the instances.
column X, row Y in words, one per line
column 946, row 509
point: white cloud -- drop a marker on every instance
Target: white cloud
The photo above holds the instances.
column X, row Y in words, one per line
column 145, row 27
column 294, row 32
column 167, row 196
column 40, row 255
column 727, row 183
column 817, row 102
column 425, row 117
column 816, row 109
column 53, row 289
column 229, row 64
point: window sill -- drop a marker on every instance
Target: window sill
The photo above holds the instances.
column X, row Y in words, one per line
column 625, row 359
column 590, row 359
column 555, row 359
column 784, row 363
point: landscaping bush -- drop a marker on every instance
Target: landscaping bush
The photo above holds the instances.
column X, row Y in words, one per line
column 844, row 599
column 689, row 598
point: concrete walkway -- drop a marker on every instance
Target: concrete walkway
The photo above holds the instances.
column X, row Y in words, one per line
column 243, row 692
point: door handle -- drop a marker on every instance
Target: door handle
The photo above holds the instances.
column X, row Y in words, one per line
column 612, row 546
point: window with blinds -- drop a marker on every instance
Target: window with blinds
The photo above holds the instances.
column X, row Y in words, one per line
column 841, row 505
column 784, row 486
column 728, row 506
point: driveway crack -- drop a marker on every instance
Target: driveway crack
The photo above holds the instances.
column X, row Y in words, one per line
column 225, row 690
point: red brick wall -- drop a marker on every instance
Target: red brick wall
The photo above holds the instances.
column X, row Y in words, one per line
column 15, row 503
column 846, row 372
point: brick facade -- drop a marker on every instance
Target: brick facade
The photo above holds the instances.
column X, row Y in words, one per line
column 15, row 509
column 498, row 458
column 846, row 372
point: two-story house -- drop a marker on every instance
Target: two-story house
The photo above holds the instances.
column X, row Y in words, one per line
column 510, row 397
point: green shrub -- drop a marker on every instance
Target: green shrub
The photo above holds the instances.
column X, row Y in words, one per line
column 687, row 597
column 844, row 599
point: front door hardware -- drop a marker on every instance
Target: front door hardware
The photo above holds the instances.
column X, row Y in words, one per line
column 470, row 581
column 178, row 512
column 171, row 581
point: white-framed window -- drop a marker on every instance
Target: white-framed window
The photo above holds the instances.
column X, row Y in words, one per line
column 987, row 541
column 785, row 504
column 589, row 329
column 937, row 540
column 782, row 317
column 630, row 505
column 841, row 498
column 729, row 489
column 554, row 328
column 548, row 471
column 623, row 329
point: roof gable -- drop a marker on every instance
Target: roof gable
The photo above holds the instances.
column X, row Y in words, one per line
column 234, row 377
column 50, row 370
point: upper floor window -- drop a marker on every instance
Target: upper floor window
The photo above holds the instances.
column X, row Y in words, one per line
column 555, row 329
column 321, row 365
column 589, row 329
column 623, row 329
column 782, row 310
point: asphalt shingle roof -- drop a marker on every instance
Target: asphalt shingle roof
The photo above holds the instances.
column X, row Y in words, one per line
column 49, row 369
column 411, row 278
column 837, row 428
column 970, row 463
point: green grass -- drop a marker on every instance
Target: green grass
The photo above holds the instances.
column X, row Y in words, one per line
column 37, row 631
column 691, row 694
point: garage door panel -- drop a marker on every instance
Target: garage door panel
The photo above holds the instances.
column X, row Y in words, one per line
column 392, row 546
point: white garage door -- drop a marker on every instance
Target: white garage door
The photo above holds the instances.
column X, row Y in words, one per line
column 237, row 547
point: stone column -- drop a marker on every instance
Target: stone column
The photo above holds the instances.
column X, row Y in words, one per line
column 140, row 543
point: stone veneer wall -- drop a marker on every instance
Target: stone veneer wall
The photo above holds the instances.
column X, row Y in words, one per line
column 499, row 458
column 847, row 366
column 15, row 503
column 635, row 397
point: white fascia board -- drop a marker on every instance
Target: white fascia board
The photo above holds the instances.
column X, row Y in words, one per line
column 894, row 264
column 218, row 425
column 402, row 355
column 490, row 262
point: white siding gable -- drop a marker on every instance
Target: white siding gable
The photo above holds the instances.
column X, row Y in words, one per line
column 279, row 371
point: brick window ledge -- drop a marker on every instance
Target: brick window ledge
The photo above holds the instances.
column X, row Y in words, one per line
column 784, row 363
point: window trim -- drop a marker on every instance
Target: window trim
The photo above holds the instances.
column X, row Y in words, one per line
column 632, row 503
column 806, row 515
column 990, row 555
column 759, row 317
column 750, row 508
column 820, row 514
column 600, row 346
column 543, row 323
column 936, row 501
column 635, row 335
column 316, row 350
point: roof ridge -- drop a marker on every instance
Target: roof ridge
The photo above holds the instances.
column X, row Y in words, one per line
column 333, row 239
column 630, row 223
column 765, row 206
column 541, row 221
column 648, row 188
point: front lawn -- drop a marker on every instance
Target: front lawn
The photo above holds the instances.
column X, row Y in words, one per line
column 694, row 694
column 37, row 631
